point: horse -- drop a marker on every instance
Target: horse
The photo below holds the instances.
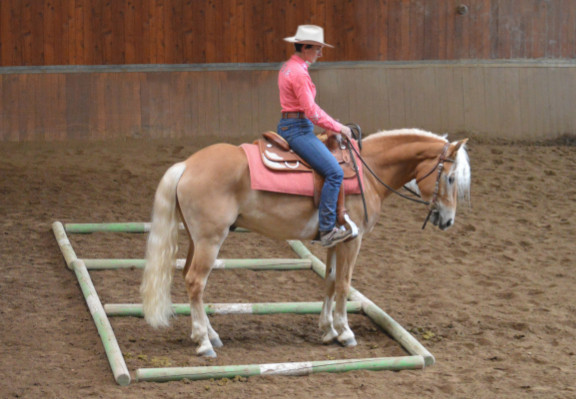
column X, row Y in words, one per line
column 210, row 193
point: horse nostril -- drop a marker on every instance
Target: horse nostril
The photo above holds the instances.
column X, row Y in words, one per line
column 446, row 225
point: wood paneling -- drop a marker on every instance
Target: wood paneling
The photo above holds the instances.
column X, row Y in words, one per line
column 121, row 32
column 512, row 100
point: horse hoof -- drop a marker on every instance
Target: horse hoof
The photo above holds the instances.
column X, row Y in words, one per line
column 216, row 342
column 327, row 341
column 348, row 342
column 208, row 353
column 329, row 337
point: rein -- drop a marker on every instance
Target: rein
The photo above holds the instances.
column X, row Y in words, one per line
column 432, row 204
column 417, row 200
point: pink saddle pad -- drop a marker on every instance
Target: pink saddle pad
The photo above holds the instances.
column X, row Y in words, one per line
column 297, row 183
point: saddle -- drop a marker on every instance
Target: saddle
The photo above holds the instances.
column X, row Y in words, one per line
column 277, row 155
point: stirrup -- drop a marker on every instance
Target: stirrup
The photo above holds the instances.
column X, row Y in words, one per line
column 334, row 237
column 351, row 229
column 352, row 226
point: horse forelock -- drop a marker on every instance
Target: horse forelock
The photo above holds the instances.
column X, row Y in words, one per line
column 461, row 172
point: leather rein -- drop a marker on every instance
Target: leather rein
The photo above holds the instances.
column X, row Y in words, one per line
column 433, row 204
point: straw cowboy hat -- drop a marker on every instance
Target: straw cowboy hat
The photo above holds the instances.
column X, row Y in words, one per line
column 309, row 34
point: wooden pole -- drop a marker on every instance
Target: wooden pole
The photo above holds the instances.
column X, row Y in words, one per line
column 317, row 265
column 183, row 309
column 127, row 227
column 292, row 369
column 252, row 264
column 357, row 303
column 392, row 327
column 111, row 347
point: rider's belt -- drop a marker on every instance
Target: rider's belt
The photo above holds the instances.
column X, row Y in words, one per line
column 293, row 115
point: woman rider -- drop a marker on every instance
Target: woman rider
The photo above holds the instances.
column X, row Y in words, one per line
column 299, row 115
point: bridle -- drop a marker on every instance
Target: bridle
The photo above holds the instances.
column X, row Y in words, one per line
column 439, row 166
column 433, row 205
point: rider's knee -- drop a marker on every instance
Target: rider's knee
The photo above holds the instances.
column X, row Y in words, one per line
column 336, row 175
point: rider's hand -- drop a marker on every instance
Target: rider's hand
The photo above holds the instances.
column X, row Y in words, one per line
column 346, row 131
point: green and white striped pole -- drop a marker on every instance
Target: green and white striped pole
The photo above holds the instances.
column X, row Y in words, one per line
column 183, row 309
column 113, row 352
column 291, row 369
column 251, row 264
column 126, row 227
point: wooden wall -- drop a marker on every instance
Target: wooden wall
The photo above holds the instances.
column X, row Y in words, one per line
column 142, row 103
column 121, row 32
column 76, row 69
column 518, row 101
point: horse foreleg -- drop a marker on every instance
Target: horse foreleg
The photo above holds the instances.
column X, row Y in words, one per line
column 197, row 273
column 345, row 334
column 326, row 319
column 346, row 254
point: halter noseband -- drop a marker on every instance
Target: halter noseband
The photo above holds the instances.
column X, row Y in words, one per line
column 440, row 166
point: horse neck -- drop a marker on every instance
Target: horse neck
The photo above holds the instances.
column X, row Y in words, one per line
column 396, row 160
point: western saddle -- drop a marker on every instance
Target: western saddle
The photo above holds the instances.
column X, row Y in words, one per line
column 277, row 155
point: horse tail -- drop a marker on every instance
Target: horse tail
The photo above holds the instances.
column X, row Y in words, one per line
column 161, row 251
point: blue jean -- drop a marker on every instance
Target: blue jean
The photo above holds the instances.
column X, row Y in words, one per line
column 299, row 133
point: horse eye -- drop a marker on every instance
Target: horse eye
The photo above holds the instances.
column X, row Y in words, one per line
column 451, row 179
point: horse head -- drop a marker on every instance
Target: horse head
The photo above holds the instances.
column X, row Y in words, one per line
column 445, row 183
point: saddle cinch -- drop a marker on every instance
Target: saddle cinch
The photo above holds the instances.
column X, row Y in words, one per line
column 277, row 155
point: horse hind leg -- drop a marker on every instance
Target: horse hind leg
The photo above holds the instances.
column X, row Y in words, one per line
column 197, row 270
column 212, row 334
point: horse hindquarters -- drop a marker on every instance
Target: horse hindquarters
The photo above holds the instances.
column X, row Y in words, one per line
column 161, row 250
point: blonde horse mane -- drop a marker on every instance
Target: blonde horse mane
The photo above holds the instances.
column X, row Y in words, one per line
column 405, row 132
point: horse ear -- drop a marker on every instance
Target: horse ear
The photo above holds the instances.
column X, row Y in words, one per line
column 457, row 145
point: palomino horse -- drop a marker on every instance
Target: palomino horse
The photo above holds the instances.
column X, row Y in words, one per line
column 210, row 192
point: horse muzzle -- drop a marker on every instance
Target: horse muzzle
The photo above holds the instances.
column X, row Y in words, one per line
column 437, row 219
column 446, row 225
column 443, row 222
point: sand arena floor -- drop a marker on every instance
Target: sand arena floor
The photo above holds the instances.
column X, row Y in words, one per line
column 493, row 298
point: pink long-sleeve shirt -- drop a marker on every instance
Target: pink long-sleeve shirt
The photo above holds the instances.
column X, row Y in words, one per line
column 297, row 94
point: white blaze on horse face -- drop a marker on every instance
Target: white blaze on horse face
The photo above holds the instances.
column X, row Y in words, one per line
column 446, row 204
column 454, row 186
column 445, row 211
